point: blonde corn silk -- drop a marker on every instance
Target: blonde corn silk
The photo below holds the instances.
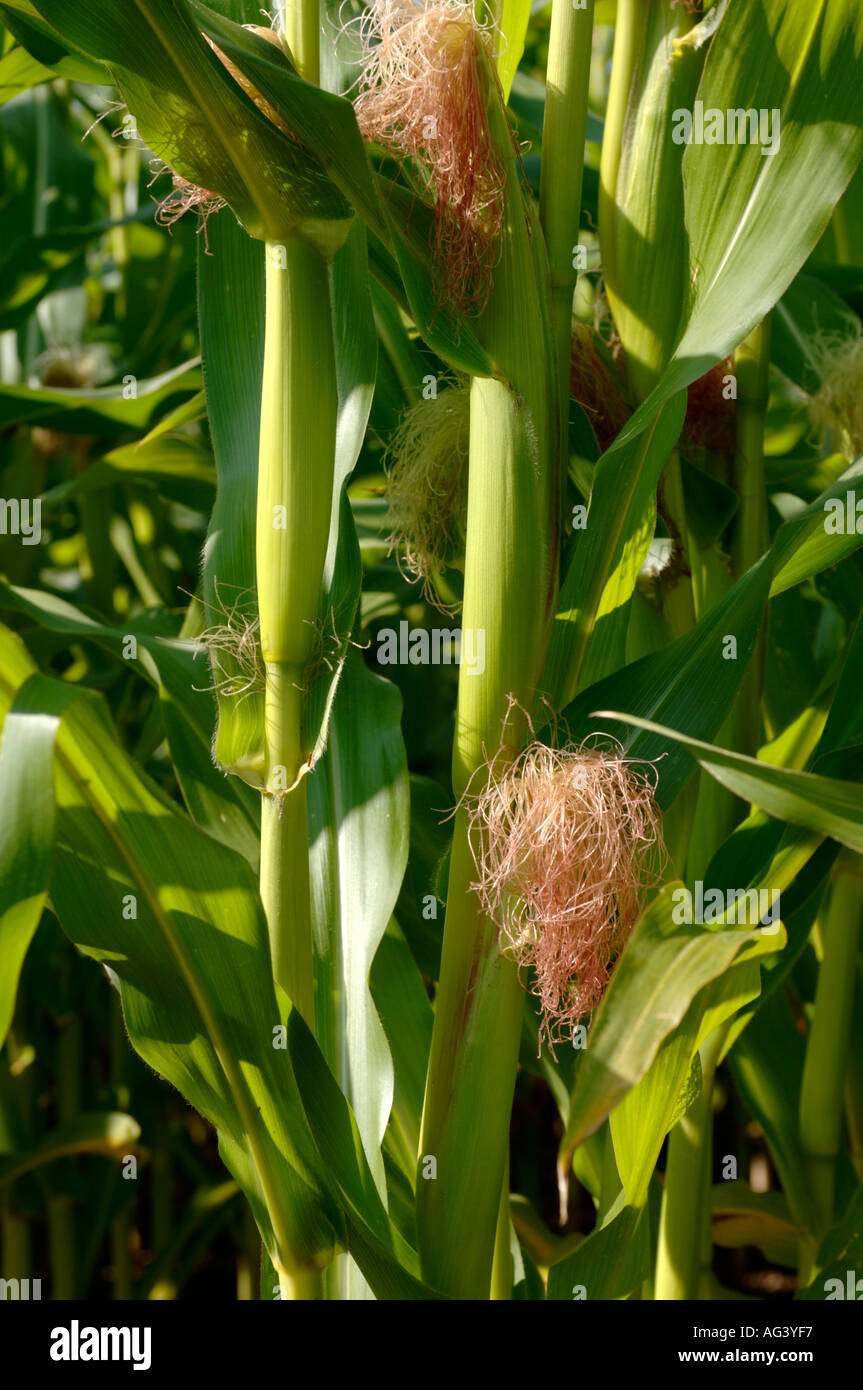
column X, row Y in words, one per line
column 837, row 407
column 423, row 98
column 186, row 197
column 233, row 643
column 566, row 843
column 426, row 466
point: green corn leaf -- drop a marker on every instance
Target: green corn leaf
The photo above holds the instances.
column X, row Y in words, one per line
column 673, row 1081
column 803, row 546
column 26, row 843
column 175, row 465
column 235, row 273
column 647, row 1113
column 110, row 1132
column 825, row 805
column 753, row 218
column 762, row 1219
column 356, row 351
column 358, row 805
column 197, row 118
column 690, row 676
column 226, row 808
column 131, row 405
column 659, row 975
column 47, row 47
column 320, row 121
column 808, row 309
column 406, row 1014
column 326, row 124
column 513, row 18
column 643, row 238
column 138, row 887
column 388, row 1263
column 767, row 1065
column 840, row 1251
column 612, row 1262
column 19, row 72
column 608, row 556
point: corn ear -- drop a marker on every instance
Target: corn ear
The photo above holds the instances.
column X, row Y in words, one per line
column 511, row 570
column 512, row 542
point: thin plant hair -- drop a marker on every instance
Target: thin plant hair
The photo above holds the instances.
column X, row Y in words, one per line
column 422, row 98
column 566, row 841
column 426, row 464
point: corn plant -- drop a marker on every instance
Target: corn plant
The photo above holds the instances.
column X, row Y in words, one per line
column 548, row 376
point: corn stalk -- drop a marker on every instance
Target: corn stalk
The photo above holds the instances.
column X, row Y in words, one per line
column 509, row 594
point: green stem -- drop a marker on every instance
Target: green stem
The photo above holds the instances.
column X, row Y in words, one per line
column 854, row 1109
column 162, row 1211
column 304, row 1287
column 302, row 30
column 821, row 1093
column 686, row 1193
column 62, row 1236
column 96, row 509
column 752, row 368
column 471, row 1073
column 510, row 587
column 117, row 163
column 299, row 407
column 563, row 138
column 41, row 98
column 682, row 1241
column 284, row 873
column 16, row 1259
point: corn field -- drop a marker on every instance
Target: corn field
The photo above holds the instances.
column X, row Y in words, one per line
column 431, row 817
